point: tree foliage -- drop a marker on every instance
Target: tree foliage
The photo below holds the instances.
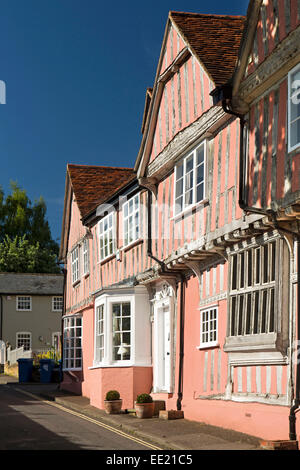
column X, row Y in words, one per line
column 26, row 244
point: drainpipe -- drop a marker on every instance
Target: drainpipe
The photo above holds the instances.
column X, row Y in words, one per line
column 181, row 313
column 62, row 321
column 1, row 317
column 226, row 94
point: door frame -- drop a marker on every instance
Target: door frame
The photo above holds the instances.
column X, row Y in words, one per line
column 159, row 305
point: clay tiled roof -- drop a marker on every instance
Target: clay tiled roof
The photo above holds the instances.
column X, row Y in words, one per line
column 215, row 39
column 93, row 185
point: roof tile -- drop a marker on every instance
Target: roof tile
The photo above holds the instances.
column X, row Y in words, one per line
column 215, row 39
column 93, row 185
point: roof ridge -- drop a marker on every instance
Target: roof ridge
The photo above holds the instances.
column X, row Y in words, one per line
column 99, row 166
column 171, row 12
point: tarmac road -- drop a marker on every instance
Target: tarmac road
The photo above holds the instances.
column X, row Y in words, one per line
column 29, row 424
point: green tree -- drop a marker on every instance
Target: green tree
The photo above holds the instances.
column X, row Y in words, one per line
column 26, row 244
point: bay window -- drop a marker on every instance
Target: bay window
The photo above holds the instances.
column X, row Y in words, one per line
column 122, row 329
column 72, row 343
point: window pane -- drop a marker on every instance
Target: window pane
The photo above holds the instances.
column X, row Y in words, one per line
column 179, row 171
column 295, row 133
column 200, row 154
column 234, row 273
column 200, row 174
column 189, row 164
column 200, row 192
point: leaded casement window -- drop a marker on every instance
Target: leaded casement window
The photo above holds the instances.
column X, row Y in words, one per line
column 57, row 304
column 294, row 108
column 100, row 335
column 85, row 256
column 209, row 327
column 258, row 294
column 190, row 179
column 72, row 342
column 75, row 264
column 131, row 220
column 252, row 290
column 24, row 303
column 23, row 339
column 121, row 331
column 107, row 236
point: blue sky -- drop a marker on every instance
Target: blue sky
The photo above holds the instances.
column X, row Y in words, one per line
column 76, row 72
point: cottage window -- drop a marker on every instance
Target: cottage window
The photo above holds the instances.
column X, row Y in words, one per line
column 107, row 236
column 57, row 304
column 121, row 326
column 24, row 303
column 75, row 264
column 23, row 339
column 190, row 179
column 122, row 329
column 294, row 108
column 85, row 255
column 99, row 333
column 131, row 220
column 209, row 327
column 72, row 343
column 258, row 295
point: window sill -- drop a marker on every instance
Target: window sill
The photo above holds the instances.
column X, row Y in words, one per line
column 115, row 365
column 75, row 284
column 132, row 245
column 85, row 275
column 189, row 209
column 255, row 342
column 208, row 346
column 107, row 259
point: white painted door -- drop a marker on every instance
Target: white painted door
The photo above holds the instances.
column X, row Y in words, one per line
column 166, row 348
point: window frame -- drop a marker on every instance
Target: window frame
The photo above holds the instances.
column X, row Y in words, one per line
column 24, row 309
column 75, row 337
column 24, row 333
column 85, row 257
column 260, row 336
column 54, row 299
column 289, row 97
column 75, row 264
column 101, row 236
column 126, row 218
column 98, row 335
column 183, row 160
column 107, row 360
column 209, row 343
column 121, row 332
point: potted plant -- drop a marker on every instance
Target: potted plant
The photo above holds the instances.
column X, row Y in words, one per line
column 144, row 406
column 112, row 402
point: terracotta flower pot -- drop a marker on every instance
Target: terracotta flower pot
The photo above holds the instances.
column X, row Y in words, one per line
column 144, row 410
column 112, row 407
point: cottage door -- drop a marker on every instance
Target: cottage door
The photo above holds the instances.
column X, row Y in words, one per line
column 162, row 349
column 166, row 349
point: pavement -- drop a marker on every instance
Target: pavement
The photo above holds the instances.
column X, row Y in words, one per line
column 178, row 434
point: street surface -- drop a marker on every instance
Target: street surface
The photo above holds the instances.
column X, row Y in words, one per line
column 29, row 424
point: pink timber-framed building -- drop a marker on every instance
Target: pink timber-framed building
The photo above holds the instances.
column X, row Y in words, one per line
column 181, row 273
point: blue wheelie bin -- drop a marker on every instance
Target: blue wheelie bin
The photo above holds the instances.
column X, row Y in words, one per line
column 25, row 369
column 46, row 367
